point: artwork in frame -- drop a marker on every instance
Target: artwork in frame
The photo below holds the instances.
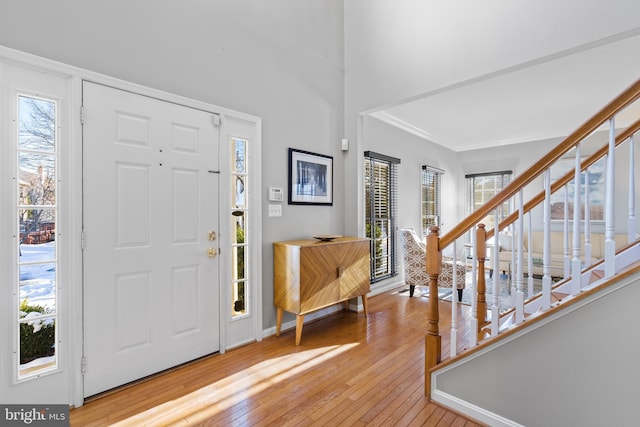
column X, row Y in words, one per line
column 596, row 187
column 310, row 178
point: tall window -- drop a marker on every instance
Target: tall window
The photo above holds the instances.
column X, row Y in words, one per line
column 380, row 182
column 239, row 212
column 35, row 222
column 431, row 186
column 482, row 187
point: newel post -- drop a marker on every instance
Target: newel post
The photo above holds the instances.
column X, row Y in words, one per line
column 432, row 339
column 481, row 255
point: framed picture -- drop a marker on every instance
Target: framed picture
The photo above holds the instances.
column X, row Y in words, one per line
column 595, row 186
column 310, row 178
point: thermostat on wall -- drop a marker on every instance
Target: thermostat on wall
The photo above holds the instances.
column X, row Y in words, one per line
column 276, row 194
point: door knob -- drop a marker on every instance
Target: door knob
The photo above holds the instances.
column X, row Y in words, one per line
column 212, row 252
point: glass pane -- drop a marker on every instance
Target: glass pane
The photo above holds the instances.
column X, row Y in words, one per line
column 37, row 227
column 239, row 299
column 238, row 261
column 239, row 191
column 239, row 234
column 37, row 180
column 239, row 154
column 37, row 344
column 37, row 288
column 37, row 124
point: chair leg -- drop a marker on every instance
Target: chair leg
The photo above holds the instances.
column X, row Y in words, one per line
column 460, row 294
column 411, row 289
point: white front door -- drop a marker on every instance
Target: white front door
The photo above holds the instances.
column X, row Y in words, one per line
column 150, row 214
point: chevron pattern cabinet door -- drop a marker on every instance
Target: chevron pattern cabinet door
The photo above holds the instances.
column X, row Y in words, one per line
column 310, row 275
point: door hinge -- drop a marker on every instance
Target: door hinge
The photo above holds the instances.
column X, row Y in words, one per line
column 83, row 365
column 82, row 115
column 82, row 240
column 217, row 120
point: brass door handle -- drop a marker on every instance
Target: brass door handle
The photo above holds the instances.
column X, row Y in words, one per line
column 212, row 252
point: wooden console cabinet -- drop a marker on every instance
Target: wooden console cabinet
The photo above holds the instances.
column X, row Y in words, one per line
column 310, row 274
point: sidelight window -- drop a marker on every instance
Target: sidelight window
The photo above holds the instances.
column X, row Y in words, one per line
column 36, row 215
column 239, row 213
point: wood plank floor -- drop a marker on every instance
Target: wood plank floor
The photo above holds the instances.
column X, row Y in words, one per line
column 350, row 370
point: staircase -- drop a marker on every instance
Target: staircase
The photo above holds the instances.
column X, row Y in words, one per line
column 583, row 281
column 627, row 260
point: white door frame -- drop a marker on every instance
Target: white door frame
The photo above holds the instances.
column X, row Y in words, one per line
column 71, row 167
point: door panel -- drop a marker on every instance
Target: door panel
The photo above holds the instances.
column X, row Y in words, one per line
column 151, row 291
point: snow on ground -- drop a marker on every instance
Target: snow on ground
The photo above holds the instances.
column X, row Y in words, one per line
column 37, row 281
column 38, row 285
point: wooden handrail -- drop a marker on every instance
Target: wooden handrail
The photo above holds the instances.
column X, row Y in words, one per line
column 559, row 183
column 435, row 243
column 627, row 97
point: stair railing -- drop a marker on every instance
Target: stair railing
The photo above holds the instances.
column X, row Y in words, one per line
column 513, row 193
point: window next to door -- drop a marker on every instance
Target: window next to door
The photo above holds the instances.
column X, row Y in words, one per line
column 36, row 209
column 239, row 213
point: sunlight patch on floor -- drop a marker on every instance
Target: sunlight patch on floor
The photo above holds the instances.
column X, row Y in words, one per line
column 206, row 402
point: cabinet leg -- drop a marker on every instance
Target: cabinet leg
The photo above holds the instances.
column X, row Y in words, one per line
column 364, row 304
column 279, row 312
column 299, row 324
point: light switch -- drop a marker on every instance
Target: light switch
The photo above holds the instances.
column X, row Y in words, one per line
column 275, row 210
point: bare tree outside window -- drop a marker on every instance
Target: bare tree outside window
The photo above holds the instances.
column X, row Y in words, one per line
column 36, row 138
column 36, row 219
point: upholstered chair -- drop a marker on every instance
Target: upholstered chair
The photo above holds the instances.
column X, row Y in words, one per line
column 415, row 265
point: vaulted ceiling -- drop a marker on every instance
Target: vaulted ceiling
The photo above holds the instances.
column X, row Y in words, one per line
column 537, row 100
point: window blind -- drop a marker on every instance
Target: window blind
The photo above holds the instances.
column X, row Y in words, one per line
column 431, row 189
column 381, row 189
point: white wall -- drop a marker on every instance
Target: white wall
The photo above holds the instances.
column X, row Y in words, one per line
column 578, row 370
column 415, row 152
column 281, row 60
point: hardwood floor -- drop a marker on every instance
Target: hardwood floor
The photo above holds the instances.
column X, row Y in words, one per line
column 348, row 371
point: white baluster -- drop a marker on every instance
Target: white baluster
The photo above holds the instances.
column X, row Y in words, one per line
column 609, row 212
column 514, row 267
column 473, row 336
column 454, row 304
column 565, row 229
column 529, row 259
column 520, row 276
column 474, row 291
column 495, row 300
column 631, row 228
column 587, row 220
column 546, row 251
column 576, row 267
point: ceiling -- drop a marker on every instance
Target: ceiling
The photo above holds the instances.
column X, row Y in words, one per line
column 542, row 99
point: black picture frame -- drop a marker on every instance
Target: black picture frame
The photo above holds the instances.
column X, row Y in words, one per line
column 310, row 178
